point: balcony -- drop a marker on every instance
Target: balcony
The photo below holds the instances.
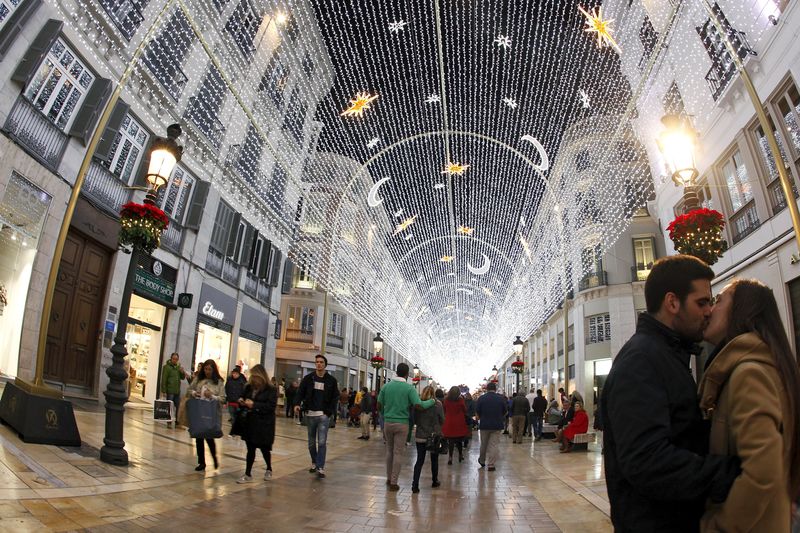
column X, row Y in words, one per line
column 105, row 190
column 166, row 71
column 172, row 238
column 231, row 272
column 27, row 126
column 639, row 272
column 126, row 15
column 251, row 285
column 335, row 341
column 744, row 221
column 593, row 280
column 264, row 292
column 776, row 197
column 206, row 121
column 723, row 69
column 214, row 262
column 300, row 335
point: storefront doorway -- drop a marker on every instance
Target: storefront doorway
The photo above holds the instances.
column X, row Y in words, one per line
column 144, row 343
column 213, row 342
column 250, row 351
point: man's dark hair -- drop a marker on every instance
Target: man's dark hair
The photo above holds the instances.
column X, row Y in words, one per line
column 320, row 356
column 538, row 392
column 491, row 386
column 561, row 389
column 673, row 274
column 402, row 370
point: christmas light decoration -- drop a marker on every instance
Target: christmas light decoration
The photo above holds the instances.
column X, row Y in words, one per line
column 510, row 102
column 699, row 233
column 433, row 99
column 595, row 23
column 503, row 41
column 446, row 258
column 398, row 26
column 141, row 226
column 405, row 224
column 455, row 169
column 584, row 96
column 373, row 143
column 465, row 230
column 359, row 104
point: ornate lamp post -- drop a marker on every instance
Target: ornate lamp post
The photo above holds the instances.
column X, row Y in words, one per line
column 142, row 225
column 678, row 143
column 377, row 360
column 416, row 376
column 517, row 365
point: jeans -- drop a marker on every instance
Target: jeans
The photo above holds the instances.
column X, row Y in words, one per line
column 489, row 441
column 318, row 438
column 536, row 425
column 395, row 434
column 421, row 451
column 289, row 408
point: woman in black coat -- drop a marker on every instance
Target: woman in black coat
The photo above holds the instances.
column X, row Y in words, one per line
column 258, row 425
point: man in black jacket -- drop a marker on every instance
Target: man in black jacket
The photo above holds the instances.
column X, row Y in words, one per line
column 657, row 474
column 317, row 395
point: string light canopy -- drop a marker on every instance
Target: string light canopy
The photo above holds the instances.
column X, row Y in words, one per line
column 439, row 167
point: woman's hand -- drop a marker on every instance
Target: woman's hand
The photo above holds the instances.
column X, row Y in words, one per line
column 207, row 393
column 248, row 403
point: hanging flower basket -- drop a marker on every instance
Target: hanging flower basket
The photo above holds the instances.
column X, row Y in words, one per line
column 142, row 225
column 517, row 367
column 493, row 381
column 416, row 379
column 377, row 362
column 699, row 233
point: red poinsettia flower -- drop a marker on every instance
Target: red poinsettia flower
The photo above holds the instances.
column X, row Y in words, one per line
column 699, row 233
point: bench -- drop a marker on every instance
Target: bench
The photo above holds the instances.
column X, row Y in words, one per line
column 549, row 430
column 582, row 441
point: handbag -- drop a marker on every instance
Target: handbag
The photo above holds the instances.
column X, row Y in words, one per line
column 204, row 419
column 432, row 443
column 164, row 411
column 239, row 426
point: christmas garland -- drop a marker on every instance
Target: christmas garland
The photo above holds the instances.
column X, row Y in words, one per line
column 142, row 225
column 517, row 367
column 377, row 362
column 699, row 233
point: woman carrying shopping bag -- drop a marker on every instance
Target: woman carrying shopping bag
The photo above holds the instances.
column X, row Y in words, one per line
column 257, row 420
column 207, row 385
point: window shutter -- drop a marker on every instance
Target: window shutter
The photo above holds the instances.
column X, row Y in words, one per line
column 276, row 267
column 233, row 232
column 9, row 32
column 288, row 272
column 103, row 151
column 36, row 52
column 199, row 198
column 247, row 246
column 254, row 252
column 263, row 263
column 89, row 113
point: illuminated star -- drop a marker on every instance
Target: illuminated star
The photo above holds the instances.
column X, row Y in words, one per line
column 409, row 236
column 404, row 224
column 455, row 169
column 433, row 99
column 397, row 26
column 465, row 230
column 487, row 291
column 373, row 143
column 398, row 213
column 510, row 102
column 359, row 104
column 584, row 99
column 503, row 41
column 439, row 186
column 603, row 29
column 446, row 258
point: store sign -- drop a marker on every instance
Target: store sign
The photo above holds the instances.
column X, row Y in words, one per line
column 217, row 305
column 155, row 280
column 209, row 310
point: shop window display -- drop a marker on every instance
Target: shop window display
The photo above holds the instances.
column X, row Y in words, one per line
column 23, row 210
column 249, row 352
column 213, row 343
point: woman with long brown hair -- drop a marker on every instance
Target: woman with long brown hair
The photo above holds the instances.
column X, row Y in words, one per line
column 751, row 392
column 455, row 423
column 258, row 402
column 429, row 430
column 207, row 384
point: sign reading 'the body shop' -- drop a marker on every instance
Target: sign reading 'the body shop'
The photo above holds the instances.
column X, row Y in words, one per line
column 217, row 305
column 155, row 280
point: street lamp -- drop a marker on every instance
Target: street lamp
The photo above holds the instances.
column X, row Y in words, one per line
column 377, row 346
column 518, row 344
column 416, row 375
column 678, row 144
column 165, row 154
column 494, row 371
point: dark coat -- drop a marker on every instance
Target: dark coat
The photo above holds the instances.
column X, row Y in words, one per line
column 260, row 421
column 234, row 388
column 655, row 441
column 305, row 394
column 520, row 406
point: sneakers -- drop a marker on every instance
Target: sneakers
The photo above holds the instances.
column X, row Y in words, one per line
column 245, row 479
column 435, row 484
column 394, row 487
column 362, row 437
column 491, row 468
column 415, row 490
column 320, row 473
column 482, row 464
column 313, row 469
column 267, row 475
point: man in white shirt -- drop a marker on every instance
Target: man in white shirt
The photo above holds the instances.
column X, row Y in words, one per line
column 528, row 420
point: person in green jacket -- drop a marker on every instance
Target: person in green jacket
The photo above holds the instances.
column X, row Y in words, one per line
column 171, row 376
column 393, row 403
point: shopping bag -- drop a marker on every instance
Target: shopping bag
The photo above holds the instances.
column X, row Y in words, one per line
column 164, row 411
column 239, row 426
column 204, row 419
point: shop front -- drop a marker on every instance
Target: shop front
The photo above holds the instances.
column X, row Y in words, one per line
column 215, row 318
column 23, row 210
column 153, row 295
column 252, row 343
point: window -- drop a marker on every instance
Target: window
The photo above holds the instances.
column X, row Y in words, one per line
column 336, row 325
column 789, row 108
column 6, row 8
column 174, row 197
column 644, row 255
column 243, row 26
column 222, row 225
column 648, row 37
column 592, row 259
column 308, row 65
column 737, row 181
column 302, row 276
column 722, row 65
column 301, row 318
column 59, row 85
column 248, row 164
column 166, row 53
column 766, row 153
column 274, row 80
column 599, row 328
column 126, row 14
column 127, row 149
column 673, row 101
column 295, row 117
column 204, row 107
column 277, row 188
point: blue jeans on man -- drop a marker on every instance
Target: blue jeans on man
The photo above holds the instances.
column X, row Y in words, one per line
column 176, row 401
column 318, row 439
column 536, row 424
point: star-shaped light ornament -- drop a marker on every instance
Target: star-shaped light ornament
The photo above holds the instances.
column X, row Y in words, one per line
column 433, row 99
column 373, row 143
column 438, row 186
column 503, row 41
column 446, row 258
column 584, row 96
column 359, row 104
column 603, row 29
column 510, row 102
column 465, row 230
column 454, row 169
column 404, row 224
column 397, row 26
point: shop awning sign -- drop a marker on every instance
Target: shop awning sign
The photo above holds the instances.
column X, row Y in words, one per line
column 155, row 281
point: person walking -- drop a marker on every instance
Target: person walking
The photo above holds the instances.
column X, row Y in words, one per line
column 291, row 391
column 260, row 399
column 209, row 385
column 367, row 405
column 281, row 393
column 234, row 389
column 529, row 418
column 519, row 413
column 658, row 475
column 429, row 430
column 394, row 401
column 469, row 404
column 171, row 377
column 455, row 423
column 317, row 396
column 538, row 410
column 751, row 392
column 491, row 410
column 344, row 397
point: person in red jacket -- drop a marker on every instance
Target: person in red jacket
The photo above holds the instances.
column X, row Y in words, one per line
column 455, row 428
column 579, row 424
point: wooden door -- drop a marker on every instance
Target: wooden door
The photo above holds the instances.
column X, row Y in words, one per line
column 74, row 328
